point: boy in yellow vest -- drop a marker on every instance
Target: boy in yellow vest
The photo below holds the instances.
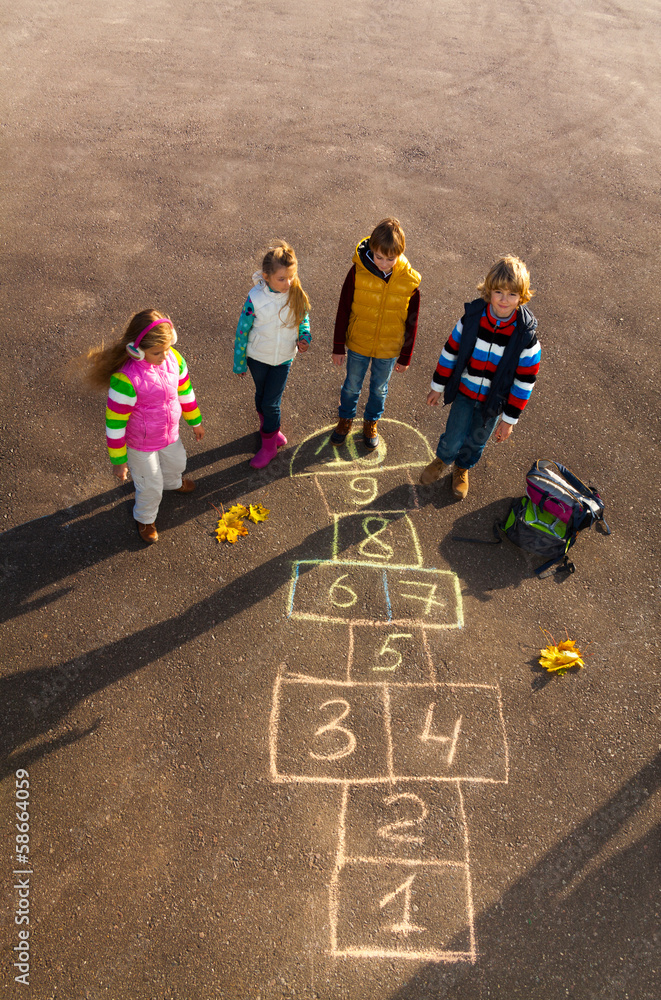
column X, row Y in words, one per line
column 377, row 322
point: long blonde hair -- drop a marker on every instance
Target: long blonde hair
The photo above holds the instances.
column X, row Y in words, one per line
column 105, row 361
column 282, row 255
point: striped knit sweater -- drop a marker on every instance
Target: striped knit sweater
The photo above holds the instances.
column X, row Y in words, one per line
column 122, row 397
column 475, row 382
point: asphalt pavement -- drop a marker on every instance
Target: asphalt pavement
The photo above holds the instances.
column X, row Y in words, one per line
column 324, row 762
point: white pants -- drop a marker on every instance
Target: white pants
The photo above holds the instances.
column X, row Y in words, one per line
column 152, row 472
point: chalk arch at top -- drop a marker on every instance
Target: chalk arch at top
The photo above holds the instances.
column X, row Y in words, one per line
column 401, row 446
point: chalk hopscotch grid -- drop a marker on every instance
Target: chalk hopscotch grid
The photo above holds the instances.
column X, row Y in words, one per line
column 360, row 474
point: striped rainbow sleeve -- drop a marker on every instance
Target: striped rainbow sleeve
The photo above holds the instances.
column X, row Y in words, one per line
column 121, row 400
column 189, row 406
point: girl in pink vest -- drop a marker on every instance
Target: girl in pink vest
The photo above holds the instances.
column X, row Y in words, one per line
column 274, row 324
column 148, row 390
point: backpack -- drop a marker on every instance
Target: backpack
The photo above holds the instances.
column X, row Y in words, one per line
column 547, row 520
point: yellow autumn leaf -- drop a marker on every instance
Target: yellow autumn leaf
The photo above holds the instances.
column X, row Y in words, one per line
column 237, row 511
column 235, row 524
column 226, row 534
column 258, row 513
column 229, row 529
column 559, row 658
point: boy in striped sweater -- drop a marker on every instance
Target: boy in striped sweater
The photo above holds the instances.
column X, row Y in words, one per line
column 486, row 370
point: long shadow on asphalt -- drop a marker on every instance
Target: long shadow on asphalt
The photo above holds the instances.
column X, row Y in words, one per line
column 33, row 701
column 38, row 554
column 582, row 923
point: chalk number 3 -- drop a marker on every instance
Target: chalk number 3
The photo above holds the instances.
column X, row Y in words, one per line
column 349, row 740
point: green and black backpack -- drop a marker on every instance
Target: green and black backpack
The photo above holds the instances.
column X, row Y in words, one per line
column 547, row 520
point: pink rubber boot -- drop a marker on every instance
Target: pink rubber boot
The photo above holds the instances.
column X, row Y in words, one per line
column 280, row 437
column 267, row 452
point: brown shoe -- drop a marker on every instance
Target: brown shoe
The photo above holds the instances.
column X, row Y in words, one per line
column 460, row 482
column 340, row 433
column 433, row 472
column 187, row 486
column 147, row 532
column 370, row 434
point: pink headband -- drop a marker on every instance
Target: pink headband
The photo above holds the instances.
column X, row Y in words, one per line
column 157, row 322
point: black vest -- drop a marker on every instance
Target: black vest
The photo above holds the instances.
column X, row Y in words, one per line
column 503, row 377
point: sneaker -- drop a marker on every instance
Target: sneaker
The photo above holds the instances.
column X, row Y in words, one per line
column 370, row 434
column 340, row 433
column 460, row 482
column 433, row 472
column 187, row 486
column 147, row 532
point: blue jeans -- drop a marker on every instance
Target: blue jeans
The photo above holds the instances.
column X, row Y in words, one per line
column 465, row 435
column 270, row 382
column 357, row 365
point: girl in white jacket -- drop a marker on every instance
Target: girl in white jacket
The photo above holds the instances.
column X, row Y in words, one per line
column 273, row 325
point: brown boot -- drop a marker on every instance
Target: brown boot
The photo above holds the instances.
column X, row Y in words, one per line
column 340, row 433
column 460, row 482
column 147, row 532
column 370, row 434
column 187, row 486
column 433, row 472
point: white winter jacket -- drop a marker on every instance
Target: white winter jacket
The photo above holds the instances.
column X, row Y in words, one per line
column 270, row 339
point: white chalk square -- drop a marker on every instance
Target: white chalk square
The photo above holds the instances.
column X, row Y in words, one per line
column 389, row 653
column 370, row 489
column 377, row 536
column 448, row 731
column 328, row 733
column 407, row 821
column 402, row 911
column 428, row 597
column 328, row 591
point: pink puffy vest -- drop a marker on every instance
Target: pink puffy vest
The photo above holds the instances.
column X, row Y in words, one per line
column 154, row 421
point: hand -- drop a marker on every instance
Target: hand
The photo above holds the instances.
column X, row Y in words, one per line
column 338, row 359
column 503, row 431
column 121, row 471
column 241, row 374
column 401, row 368
column 198, row 431
column 433, row 398
column 302, row 345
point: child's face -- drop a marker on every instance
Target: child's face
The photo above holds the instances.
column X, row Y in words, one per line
column 156, row 355
column 384, row 261
column 503, row 302
column 281, row 279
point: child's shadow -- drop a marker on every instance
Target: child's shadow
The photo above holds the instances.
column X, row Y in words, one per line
column 54, row 548
column 483, row 564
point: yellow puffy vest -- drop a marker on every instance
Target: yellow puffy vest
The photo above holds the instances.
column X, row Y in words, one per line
column 379, row 309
